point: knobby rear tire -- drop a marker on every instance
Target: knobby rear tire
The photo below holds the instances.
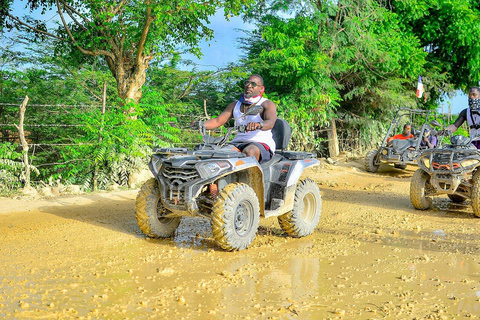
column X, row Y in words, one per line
column 306, row 212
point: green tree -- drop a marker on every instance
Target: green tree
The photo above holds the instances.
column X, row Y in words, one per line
column 348, row 59
column 10, row 168
column 127, row 34
column 448, row 30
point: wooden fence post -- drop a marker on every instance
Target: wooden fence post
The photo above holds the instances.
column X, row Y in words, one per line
column 205, row 109
column 21, row 134
column 333, row 139
column 100, row 137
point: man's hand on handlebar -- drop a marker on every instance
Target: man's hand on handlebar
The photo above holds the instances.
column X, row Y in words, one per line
column 197, row 125
column 252, row 126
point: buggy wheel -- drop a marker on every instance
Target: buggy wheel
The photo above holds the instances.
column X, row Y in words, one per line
column 400, row 166
column 418, row 184
column 476, row 198
column 235, row 217
column 370, row 161
column 456, row 198
column 306, row 212
column 149, row 211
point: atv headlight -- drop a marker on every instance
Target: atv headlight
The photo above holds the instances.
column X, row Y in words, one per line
column 156, row 164
column 211, row 169
column 469, row 162
column 426, row 162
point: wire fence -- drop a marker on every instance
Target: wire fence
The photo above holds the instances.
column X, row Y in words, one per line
column 348, row 141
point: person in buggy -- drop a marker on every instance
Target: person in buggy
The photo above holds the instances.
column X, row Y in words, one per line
column 429, row 140
column 471, row 115
column 406, row 133
column 257, row 141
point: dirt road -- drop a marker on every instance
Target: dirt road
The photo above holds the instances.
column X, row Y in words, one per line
column 372, row 257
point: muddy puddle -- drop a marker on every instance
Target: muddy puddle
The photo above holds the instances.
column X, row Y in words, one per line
column 372, row 257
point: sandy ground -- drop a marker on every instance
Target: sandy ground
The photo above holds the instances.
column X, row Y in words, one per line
column 373, row 256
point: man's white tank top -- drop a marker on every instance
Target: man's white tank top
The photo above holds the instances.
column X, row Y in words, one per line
column 252, row 136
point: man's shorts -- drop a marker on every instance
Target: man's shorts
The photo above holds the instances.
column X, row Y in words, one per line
column 265, row 151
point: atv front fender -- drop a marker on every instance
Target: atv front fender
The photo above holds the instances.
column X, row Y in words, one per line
column 249, row 172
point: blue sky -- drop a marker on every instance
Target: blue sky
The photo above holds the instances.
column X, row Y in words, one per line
column 223, row 48
column 457, row 103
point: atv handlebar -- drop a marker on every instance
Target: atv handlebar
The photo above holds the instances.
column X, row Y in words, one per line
column 444, row 132
column 222, row 140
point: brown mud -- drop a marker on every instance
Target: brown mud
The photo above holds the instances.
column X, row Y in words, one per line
column 373, row 256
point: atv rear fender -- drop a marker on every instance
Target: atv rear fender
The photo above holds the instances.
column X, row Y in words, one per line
column 282, row 189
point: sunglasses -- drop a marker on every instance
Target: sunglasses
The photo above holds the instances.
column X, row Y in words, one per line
column 251, row 83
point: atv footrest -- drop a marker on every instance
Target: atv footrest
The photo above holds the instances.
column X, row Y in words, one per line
column 276, row 203
column 296, row 155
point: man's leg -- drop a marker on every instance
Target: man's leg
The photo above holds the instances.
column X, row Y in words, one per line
column 252, row 150
column 258, row 150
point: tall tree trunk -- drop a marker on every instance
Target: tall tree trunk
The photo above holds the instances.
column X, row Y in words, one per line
column 130, row 77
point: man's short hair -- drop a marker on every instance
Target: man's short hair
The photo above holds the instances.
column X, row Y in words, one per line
column 407, row 125
column 260, row 77
column 475, row 89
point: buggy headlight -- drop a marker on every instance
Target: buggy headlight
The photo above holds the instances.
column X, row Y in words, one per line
column 426, row 162
column 211, row 169
column 469, row 162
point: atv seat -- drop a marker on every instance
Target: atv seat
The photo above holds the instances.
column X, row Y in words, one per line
column 281, row 132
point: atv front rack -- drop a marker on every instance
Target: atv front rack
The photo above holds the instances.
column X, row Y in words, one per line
column 449, row 161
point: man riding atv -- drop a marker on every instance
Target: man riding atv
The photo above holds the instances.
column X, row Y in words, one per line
column 257, row 141
column 233, row 189
column 471, row 115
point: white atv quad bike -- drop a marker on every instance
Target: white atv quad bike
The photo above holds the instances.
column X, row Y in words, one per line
column 218, row 182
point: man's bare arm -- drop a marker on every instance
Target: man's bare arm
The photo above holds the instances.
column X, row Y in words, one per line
column 226, row 115
column 269, row 115
column 452, row 128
